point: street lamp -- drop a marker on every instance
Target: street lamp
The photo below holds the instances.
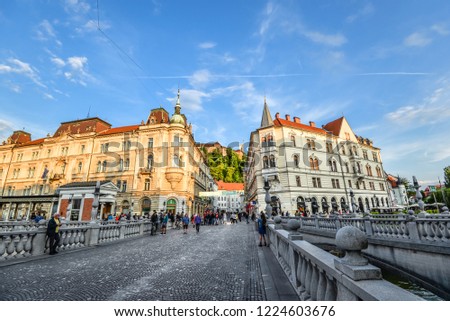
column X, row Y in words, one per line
column 69, row 208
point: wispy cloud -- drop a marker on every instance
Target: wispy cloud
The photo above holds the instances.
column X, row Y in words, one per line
column 433, row 109
column 77, row 6
column 46, row 32
column 191, row 100
column 417, row 39
column 335, row 40
column 200, row 78
column 75, row 69
column 207, row 45
column 19, row 67
column 441, row 29
column 368, row 9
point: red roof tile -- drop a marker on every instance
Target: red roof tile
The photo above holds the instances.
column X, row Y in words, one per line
column 282, row 122
column 230, row 186
column 34, row 142
column 118, row 130
column 334, row 126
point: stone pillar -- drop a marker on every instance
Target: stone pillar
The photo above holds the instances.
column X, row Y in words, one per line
column 122, row 225
column 141, row 227
column 93, row 233
column 38, row 243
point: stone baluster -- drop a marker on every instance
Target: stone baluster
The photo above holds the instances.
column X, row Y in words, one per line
column 38, row 244
column 322, row 286
column 122, row 230
column 307, row 293
column 27, row 247
column 10, row 248
column 2, row 247
column 331, row 291
column 302, row 275
column 314, row 282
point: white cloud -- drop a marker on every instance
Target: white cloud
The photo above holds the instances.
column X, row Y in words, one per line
column 200, row 78
column 335, row 40
column 364, row 11
column 48, row 96
column 191, row 100
column 207, row 45
column 433, row 109
column 77, row 6
column 19, row 67
column 441, row 29
column 417, row 39
column 75, row 69
column 58, row 62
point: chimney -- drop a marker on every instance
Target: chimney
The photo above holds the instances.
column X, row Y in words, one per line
column 312, row 124
column 288, row 117
column 277, row 115
column 297, row 120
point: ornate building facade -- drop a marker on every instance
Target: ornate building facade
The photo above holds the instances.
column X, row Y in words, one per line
column 313, row 169
column 155, row 166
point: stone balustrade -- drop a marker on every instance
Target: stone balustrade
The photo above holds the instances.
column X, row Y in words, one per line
column 24, row 239
column 317, row 275
column 432, row 229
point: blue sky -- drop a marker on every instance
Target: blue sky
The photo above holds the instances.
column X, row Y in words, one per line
column 384, row 65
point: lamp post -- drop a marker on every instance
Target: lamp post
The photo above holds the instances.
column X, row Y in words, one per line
column 131, row 209
column 419, row 197
column 182, row 209
column 267, row 198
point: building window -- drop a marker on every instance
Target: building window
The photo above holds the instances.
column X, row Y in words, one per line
column 354, row 151
column 126, row 145
column 127, row 164
column 316, row 182
column 147, row 184
column 150, row 161
column 379, row 172
column 80, row 167
column 297, row 179
column 176, row 141
column 329, row 147
column 350, row 183
column 150, row 143
column 82, row 149
column 265, row 162
column 104, row 166
column 347, row 169
column 335, row 183
column 293, row 140
column 364, row 185
column 120, row 164
column 365, row 155
column 381, row 186
column 124, row 186
column 343, row 150
column 272, row 161
column 375, row 156
column 333, row 165
column 311, row 144
column 119, row 185
column 372, row 186
column 296, row 160
column 369, row 170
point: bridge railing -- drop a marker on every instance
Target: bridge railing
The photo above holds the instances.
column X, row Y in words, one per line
column 24, row 239
column 317, row 275
column 434, row 229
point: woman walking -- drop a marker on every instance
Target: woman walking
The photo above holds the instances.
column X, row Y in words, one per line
column 262, row 229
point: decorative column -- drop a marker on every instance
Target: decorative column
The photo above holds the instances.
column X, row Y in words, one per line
column 419, row 198
column 95, row 203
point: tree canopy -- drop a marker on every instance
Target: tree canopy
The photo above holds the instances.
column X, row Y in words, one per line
column 228, row 168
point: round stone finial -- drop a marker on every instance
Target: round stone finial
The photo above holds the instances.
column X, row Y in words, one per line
column 293, row 224
column 350, row 238
column 410, row 212
column 277, row 220
column 445, row 209
column 352, row 241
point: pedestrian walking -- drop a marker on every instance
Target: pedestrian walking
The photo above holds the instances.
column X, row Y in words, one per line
column 197, row 221
column 53, row 232
column 164, row 224
column 262, row 229
column 185, row 221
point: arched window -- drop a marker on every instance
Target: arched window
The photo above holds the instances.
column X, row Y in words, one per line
column 147, row 184
column 358, row 168
column 296, row 161
column 343, row 204
column 127, row 164
column 347, row 169
column 272, row 161
column 293, row 140
column 311, row 163
column 270, row 138
column 369, row 170
column 316, row 163
column 378, row 171
column 265, row 162
column 121, row 164
column 104, row 166
column 80, row 167
column 99, row 166
column 298, row 181
column 150, row 161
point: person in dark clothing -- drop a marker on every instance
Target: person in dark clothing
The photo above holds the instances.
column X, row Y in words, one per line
column 53, row 233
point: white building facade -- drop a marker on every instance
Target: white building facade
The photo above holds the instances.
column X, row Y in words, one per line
column 313, row 169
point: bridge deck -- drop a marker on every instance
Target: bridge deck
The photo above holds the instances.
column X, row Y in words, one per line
column 220, row 263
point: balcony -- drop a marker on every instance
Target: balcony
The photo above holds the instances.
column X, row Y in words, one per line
column 56, row 177
column 143, row 171
column 174, row 175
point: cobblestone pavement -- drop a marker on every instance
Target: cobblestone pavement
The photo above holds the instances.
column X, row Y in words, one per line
column 219, row 263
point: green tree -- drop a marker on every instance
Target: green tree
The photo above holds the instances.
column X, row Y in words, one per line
column 447, row 176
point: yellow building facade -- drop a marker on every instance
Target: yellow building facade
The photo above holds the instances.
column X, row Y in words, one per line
column 155, row 166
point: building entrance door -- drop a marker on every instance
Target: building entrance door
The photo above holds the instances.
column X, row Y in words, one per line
column 171, row 206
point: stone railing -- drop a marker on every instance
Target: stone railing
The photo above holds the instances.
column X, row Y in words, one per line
column 24, row 239
column 317, row 275
column 431, row 229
